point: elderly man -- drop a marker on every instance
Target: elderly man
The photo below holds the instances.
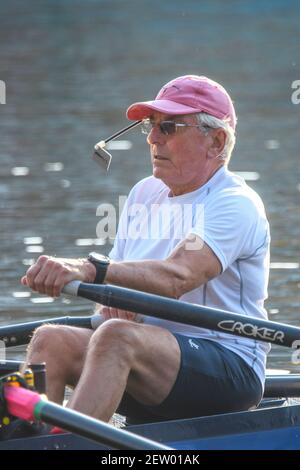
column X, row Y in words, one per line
column 159, row 369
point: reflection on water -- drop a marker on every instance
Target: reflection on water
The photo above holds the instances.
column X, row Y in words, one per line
column 71, row 69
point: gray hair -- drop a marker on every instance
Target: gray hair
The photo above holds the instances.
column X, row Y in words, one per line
column 206, row 121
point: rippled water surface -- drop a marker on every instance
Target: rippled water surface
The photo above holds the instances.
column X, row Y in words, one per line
column 72, row 67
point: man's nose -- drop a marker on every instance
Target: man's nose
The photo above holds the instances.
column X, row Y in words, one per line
column 155, row 135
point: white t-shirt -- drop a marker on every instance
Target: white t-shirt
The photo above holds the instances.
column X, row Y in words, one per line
column 230, row 217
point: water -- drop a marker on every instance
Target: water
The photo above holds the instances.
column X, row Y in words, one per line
column 72, row 67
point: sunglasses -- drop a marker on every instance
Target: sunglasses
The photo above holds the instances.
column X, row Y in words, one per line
column 166, row 127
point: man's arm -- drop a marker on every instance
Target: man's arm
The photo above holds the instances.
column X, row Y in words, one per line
column 184, row 270
column 181, row 272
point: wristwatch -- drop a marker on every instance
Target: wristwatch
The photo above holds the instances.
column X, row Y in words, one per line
column 101, row 264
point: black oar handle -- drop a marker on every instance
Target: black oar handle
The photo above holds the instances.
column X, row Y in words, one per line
column 183, row 312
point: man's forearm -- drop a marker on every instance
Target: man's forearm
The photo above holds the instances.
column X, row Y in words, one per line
column 154, row 276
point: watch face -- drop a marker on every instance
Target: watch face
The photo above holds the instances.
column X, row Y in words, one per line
column 98, row 257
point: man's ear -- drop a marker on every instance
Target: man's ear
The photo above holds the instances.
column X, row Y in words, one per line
column 218, row 141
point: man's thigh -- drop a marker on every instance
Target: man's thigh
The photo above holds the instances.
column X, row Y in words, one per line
column 156, row 364
column 211, row 380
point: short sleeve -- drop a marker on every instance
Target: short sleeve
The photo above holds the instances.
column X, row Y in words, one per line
column 117, row 251
column 233, row 226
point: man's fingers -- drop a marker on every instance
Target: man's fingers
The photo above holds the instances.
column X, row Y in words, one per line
column 105, row 312
column 124, row 314
column 40, row 281
column 46, row 276
column 33, row 272
column 111, row 312
column 53, row 282
column 130, row 315
column 57, row 275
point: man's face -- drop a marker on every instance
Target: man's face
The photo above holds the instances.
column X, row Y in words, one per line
column 179, row 160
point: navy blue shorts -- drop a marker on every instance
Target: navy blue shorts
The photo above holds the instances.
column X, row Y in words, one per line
column 211, row 380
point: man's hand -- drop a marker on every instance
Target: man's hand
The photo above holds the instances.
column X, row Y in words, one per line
column 48, row 275
column 109, row 312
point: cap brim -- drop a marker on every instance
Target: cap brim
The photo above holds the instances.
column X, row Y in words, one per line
column 144, row 109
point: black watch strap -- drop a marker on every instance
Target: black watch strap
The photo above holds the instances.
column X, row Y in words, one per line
column 101, row 264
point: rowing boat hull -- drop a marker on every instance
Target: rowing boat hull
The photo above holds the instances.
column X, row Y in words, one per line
column 271, row 428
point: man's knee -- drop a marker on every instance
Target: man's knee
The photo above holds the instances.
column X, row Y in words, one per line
column 117, row 335
column 50, row 339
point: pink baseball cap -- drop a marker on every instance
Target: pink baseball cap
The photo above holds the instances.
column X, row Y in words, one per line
column 188, row 95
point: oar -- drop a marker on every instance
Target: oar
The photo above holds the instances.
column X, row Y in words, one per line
column 8, row 366
column 17, row 334
column 30, row 406
column 183, row 312
column 282, row 386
